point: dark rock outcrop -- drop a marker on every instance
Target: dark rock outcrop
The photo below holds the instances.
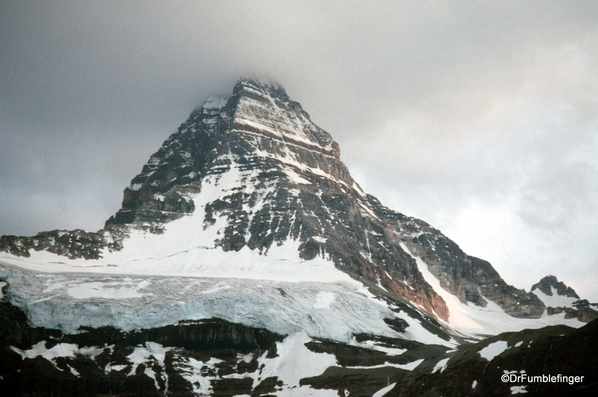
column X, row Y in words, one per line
column 71, row 244
column 549, row 282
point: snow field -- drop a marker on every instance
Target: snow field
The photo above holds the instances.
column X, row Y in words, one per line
column 473, row 320
column 326, row 310
column 555, row 300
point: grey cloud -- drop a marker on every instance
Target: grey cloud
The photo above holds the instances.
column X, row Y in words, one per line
column 436, row 105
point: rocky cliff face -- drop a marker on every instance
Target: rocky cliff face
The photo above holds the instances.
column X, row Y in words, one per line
column 550, row 283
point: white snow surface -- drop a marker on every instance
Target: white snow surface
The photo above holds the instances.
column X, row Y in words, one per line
column 214, row 102
column 324, row 300
column 518, row 389
column 382, row 392
column 441, row 365
column 294, row 362
column 493, row 349
column 55, row 300
column 60, row 350
column 39, row 349
column 476, row 321
column 151, row 352
column 555, row 300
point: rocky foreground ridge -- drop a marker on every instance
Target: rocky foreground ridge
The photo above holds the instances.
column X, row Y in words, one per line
column 552, row 361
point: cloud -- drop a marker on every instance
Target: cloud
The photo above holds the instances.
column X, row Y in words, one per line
column 472, row 116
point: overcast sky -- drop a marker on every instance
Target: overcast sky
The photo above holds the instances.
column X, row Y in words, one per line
column 480, row 118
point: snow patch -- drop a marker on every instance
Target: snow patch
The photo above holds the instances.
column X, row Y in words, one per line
column 295, row 361
column 39, row 349
column 555, row 300
column 370, row 344
column 412, row 365
column 214, row 102
column 493, row 350
column 67, row 350
column 382, row 392
column 294, row 177
column 518, row 389
column 152, row 352
column 441, row 365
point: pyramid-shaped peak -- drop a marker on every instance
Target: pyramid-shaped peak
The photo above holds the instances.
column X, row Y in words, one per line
column 265, row 88
column 257, row 127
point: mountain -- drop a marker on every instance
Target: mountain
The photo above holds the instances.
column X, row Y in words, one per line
column 559, row 298
column 246, row 260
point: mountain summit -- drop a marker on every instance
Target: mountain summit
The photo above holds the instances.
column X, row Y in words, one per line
column 293, row 186
column 284, row 182
column 246, row 231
